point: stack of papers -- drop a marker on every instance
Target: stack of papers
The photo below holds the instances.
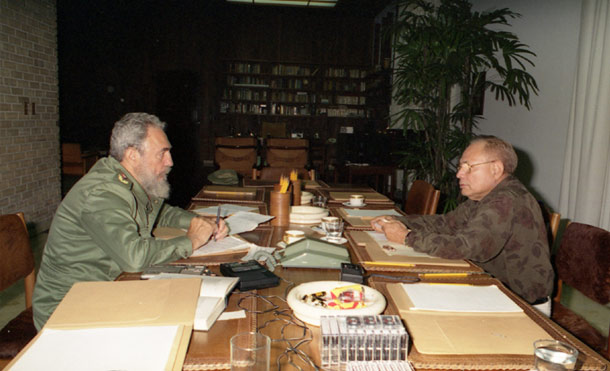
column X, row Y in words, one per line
column 212, row 298
column 225, row 209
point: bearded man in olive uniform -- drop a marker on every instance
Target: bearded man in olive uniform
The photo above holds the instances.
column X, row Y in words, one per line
column 103, row 227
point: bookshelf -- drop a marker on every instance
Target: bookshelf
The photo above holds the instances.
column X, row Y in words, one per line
column 293, row 89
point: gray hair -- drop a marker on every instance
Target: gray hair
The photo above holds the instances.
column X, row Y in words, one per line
column 501, row 149
column 131, row 131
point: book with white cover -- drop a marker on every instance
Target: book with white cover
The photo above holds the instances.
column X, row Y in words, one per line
column 212, row 298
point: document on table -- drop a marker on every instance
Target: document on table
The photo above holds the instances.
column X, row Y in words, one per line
column 365, row 213
column 243, row 221
column 459, row 298
column 394, row 248
column 227, row 244
column 225, row 209
column 118, row 348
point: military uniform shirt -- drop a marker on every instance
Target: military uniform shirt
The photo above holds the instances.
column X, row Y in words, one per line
column 104, row 227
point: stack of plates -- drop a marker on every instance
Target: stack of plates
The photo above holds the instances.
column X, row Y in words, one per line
column 307, row 214
column 306, row 197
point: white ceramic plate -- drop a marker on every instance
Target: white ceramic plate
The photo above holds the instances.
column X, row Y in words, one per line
column 348, row 204
column 307, row 213
column 374, row 302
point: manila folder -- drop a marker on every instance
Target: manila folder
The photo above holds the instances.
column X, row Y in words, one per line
column 467, row 333
column 125, row 304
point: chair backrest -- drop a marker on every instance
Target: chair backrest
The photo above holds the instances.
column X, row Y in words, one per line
column 16, row 259
column 422, row 198
column 551, row 221
column 72, row 159
column 274, row 173
column 238, row 154
column 583, row 261
column 292, row 153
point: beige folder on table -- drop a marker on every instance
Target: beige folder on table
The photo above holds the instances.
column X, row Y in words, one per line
column 123, row 305
column 466, row 333
column 377, row 255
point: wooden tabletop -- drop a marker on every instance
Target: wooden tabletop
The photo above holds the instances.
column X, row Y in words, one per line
column 293, row 342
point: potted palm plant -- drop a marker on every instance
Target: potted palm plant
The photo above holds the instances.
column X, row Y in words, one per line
column 445, row 57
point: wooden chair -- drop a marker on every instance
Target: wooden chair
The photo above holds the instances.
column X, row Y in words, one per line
column 74, row 161
column 16, row 262
column 238, row 154
column 422, row 198
column 551, row 220
column 290, row 153
column 274, row 173
column 583, row 263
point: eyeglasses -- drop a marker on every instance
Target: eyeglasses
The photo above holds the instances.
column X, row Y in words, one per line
column 468, row 168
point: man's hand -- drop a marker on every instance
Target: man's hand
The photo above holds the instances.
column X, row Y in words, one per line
column 200, row 230
column 394, row 230
column 221, row 230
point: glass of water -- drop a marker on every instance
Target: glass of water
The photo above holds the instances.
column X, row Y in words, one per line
column 554, row 355
column 333, row 227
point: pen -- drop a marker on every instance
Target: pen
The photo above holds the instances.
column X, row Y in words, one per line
column 217, row 221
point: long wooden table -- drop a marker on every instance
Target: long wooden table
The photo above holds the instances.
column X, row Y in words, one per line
column 294, row 343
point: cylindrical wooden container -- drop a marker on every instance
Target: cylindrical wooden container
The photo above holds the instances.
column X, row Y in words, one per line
column 279, row 206
column 296, row 192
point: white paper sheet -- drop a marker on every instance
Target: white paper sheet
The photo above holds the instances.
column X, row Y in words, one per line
column 459, row 298
column 225, row 210
column 243, row 221
column 226, row 244
column 145, row 348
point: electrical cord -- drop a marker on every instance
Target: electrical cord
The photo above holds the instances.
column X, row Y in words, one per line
column 287, row 321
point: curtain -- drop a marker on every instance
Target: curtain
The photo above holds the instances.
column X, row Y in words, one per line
column 585, row 186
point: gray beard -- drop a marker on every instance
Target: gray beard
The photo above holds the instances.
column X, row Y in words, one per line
column 152, row 186
column 158, row 189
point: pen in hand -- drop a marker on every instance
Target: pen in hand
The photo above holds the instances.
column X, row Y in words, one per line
column 217, row 222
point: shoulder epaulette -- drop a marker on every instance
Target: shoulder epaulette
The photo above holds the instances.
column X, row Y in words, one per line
column 124, row 179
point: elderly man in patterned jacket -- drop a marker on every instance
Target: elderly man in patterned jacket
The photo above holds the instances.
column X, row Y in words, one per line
column 500, row 227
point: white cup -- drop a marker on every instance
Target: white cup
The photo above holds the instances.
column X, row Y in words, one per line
column 293, row 236
column 250, row 351
column 356, row 200
column 554, row 355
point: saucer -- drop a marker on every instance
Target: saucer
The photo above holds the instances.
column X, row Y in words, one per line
column 338, row 241
column 350, row 205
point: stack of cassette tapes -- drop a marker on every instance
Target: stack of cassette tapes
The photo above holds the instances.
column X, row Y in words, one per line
column 347, row 339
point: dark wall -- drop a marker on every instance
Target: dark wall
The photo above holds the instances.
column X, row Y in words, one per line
column 112, row 53
column 167, row 57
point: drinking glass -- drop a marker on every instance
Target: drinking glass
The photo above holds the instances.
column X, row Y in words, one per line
column 250, row 351
column 554, row 355
column 333, row 227
column 319, row 201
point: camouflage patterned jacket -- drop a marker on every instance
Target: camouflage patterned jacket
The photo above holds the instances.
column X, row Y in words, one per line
column 503, row 233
